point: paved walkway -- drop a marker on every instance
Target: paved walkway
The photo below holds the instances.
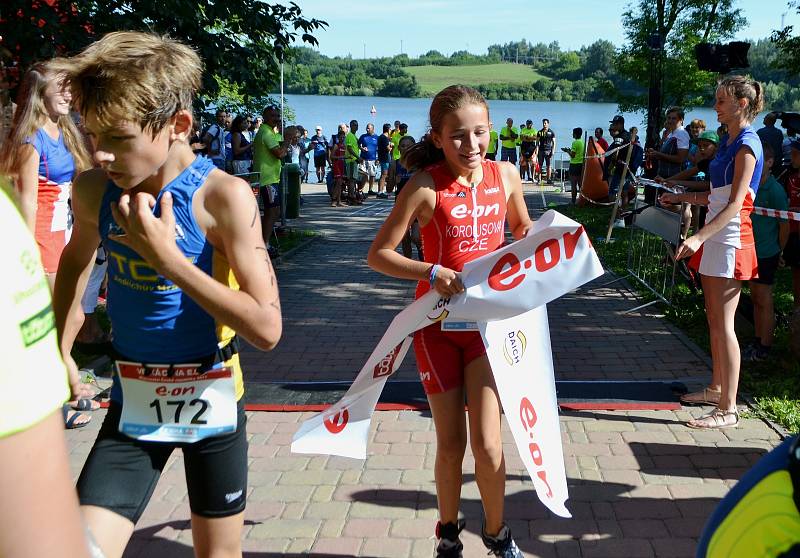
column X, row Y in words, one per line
column 641, row 483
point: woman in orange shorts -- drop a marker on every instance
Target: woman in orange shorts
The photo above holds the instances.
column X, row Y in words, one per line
column 43, row 152
column 462, row 202
column 723, row 251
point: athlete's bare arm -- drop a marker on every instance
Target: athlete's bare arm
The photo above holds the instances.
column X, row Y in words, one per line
column 517, row 212
column 415, row 201
column 226, row 210
column 76, row 262
column 44, row 519
column 28, row 184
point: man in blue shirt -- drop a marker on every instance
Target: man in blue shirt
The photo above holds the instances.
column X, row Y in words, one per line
column 320, row 145
column 368, row 145
column 384, row 158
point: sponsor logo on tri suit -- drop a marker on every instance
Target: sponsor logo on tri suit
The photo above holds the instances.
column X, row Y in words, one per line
column 461, row 194
column 425, row 376
column 461, row 211
column 495, row 190
column 137, row 274
column 514, row 346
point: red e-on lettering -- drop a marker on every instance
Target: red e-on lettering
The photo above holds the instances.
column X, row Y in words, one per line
column 508, row 272
column 527, row 415
column 336, row 423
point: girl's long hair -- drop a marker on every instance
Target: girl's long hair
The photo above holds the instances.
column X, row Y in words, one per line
column 424, row 152
column 31, row 115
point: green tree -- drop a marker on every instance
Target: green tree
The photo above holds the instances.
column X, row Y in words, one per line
column 240, row 41
column 788, row 45
column 400, row 86
column 598, row 57
column 682, row 24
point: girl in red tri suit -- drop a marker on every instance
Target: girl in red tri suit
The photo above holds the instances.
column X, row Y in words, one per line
column 462, row 203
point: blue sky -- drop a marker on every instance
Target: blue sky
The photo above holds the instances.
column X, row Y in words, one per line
column 379, row 26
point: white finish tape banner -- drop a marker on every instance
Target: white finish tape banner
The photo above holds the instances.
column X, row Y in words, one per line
column 505, row 293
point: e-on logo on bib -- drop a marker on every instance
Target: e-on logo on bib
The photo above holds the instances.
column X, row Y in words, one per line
column 514, row 347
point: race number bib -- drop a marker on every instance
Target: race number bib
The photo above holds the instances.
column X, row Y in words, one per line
column 176, row 405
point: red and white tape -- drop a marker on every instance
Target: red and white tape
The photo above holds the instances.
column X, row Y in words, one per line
column 790, row 215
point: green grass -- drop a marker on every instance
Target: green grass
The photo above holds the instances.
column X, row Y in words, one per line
column 773, row 384
column 433, row 79
column 293, row 238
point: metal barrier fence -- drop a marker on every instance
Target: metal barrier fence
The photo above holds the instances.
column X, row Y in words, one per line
column 655, row 234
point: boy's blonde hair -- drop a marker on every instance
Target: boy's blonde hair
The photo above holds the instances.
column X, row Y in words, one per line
column 134, row 77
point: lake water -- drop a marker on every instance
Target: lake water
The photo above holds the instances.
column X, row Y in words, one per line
column 313, row 110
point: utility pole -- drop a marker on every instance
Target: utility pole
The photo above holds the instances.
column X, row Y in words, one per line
column 401, row 46
column 365, row 51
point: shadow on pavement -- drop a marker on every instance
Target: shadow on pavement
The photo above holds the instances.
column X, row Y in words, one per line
column 609, row 519
column 147, row 543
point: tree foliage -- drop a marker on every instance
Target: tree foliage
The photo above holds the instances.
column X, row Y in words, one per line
column 682, row 24
column 240, row 41
column 788, row 45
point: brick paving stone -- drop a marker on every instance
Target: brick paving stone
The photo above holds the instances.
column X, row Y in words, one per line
column 674, row 547
column 366, row 510
column 412, row 528
column 614, row 548
column 286, row 528
column 423, row 548
column 338, row 546
column 363, row 528
column 326, row 510
column 398, row 548
column 332, row 528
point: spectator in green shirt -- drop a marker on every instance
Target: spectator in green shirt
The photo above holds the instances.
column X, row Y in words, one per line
column 268, row 151
column 351, row 163
column 491, row 151
column 508, row 138
column 576, row 154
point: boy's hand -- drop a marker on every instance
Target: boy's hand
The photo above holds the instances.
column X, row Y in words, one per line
column 151, row 237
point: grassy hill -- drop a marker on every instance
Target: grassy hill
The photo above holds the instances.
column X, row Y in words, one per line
column 433, row 79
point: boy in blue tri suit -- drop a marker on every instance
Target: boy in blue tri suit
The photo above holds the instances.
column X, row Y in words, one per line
column 187, row 266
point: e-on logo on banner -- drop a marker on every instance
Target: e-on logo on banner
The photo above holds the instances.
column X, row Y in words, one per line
column 514, row 347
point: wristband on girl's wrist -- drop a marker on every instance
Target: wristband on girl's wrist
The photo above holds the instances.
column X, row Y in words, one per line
column 432, row 274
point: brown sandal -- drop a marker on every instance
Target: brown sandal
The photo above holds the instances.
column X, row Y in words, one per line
column 706, row 396
column 716, row 419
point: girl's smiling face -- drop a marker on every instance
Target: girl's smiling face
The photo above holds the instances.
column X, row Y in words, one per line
column 464, row 137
